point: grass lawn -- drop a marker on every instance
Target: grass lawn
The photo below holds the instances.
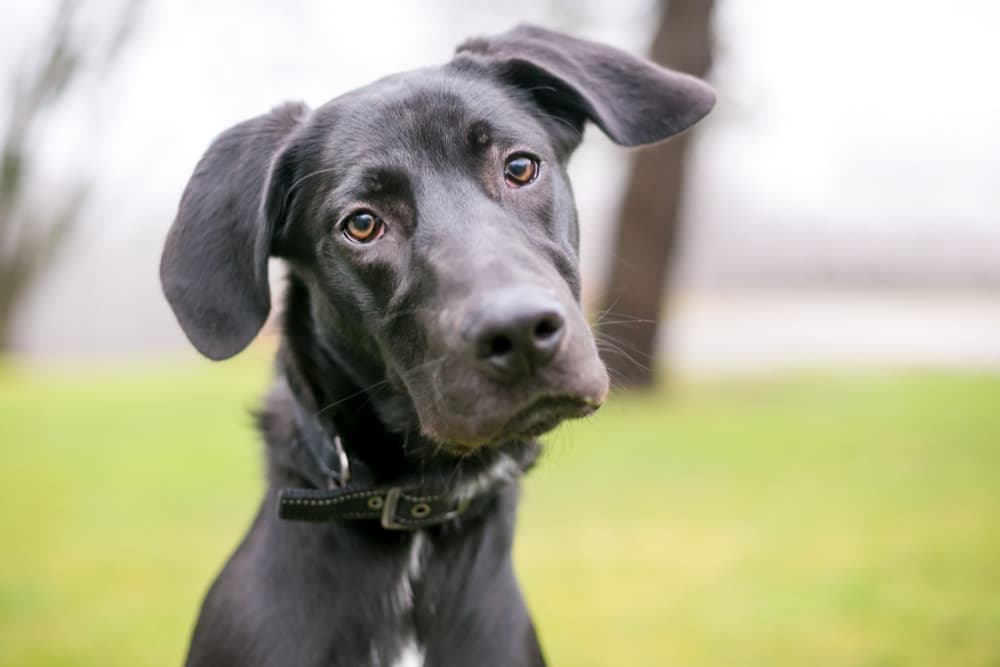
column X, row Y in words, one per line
column 819, row 519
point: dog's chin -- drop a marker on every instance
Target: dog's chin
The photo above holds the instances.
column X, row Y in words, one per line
column 535, row 419
column 543, row 416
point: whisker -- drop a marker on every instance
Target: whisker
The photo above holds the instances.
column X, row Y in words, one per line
column 538, row 113
column 631, row 320
column 371, row 397
column 349, row 397
column 604, row 313
column 608, row 346
column 628, row 264
column 609, row 338
column 299, row 182
column 422, row 366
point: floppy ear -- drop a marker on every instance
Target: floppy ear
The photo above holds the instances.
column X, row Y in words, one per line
column 214, row 264
column 631, row 99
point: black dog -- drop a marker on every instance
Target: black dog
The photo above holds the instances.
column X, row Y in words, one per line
column 431, row 331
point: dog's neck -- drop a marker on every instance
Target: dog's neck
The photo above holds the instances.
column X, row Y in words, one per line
column 317, row 391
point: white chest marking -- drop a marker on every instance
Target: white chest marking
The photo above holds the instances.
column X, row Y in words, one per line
column 412, row 655
column 402, row 595
column 503, row 469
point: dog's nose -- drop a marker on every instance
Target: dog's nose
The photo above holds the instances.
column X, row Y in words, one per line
column 516, row 331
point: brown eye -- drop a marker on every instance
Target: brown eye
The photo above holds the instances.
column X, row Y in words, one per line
column 363, row 227
column 520, row 170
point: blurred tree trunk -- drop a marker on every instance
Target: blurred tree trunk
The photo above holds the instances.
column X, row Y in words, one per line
column 648, row 222
column 33, row 226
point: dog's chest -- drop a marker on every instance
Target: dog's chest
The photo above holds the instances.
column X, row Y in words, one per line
column 412, row 655
column 404, row 650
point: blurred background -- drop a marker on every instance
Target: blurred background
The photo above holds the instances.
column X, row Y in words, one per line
column 800, row 298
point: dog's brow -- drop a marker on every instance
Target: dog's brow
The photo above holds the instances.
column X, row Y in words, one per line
column 381, row 182
column 384, row 179
column 479, row 134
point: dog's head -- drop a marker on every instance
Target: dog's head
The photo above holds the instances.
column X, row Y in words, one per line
column 430, row 218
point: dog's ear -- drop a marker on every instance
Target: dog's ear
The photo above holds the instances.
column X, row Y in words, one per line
column 214, row 264
column 632, row 100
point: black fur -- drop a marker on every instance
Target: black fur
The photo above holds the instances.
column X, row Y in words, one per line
column 382, row 342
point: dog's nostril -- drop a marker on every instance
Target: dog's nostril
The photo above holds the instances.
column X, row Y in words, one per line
column 516, row 332
column 500, row 346
column 547, row 328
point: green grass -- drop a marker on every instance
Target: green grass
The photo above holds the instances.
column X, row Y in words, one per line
column 824, row 519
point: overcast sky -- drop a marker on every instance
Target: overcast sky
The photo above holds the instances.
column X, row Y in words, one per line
column 854, row 136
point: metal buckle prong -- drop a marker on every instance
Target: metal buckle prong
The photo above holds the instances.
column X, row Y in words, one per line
column 389, row 509
column 344, row 474
column 345, row 465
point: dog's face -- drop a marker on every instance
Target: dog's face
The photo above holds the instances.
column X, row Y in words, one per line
column 446, row 247
column 431, row 219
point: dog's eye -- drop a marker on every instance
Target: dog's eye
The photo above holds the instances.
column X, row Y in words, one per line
column 520, row 170
column 363, row 227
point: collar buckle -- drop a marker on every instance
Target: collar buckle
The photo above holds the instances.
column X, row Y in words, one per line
column 423, row 516
column 389, row 509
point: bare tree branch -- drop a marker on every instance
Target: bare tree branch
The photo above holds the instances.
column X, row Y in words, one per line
column 648, row 223
column 31, row 231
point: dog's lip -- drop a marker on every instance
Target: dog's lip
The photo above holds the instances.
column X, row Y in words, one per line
column 539, row 416
column 543, row 414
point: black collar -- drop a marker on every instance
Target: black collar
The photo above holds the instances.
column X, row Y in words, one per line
column 395, row 507
column 321, row 458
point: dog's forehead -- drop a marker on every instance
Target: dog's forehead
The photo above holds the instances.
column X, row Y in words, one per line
column 426, row 111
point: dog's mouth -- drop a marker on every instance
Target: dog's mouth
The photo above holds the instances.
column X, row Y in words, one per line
column 540, row 417
column 464, row 407
column 544, row 415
